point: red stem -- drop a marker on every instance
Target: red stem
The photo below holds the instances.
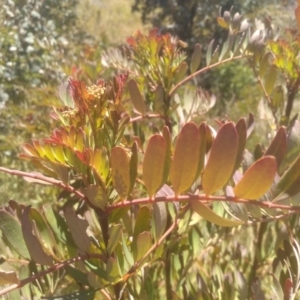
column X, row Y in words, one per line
column 52, row 269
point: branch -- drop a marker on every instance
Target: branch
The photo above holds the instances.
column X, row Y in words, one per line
column 52, row 269
column 203, row 198
column 50, row 180
column 190, row 77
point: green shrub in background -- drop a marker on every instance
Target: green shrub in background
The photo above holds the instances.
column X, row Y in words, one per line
column 157, row 201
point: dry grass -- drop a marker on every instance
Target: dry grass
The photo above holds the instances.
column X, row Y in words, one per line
column 109, row 20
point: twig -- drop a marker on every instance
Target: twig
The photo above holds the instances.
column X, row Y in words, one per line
column 150, row 116
column 52, row 269
column 155, row 246
column 190, row 77
column 50, row 180
column 172, row 198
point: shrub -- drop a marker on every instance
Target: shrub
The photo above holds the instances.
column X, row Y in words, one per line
column 155, row 202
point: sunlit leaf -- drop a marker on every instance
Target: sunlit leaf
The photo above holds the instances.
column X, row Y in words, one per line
column 153, row 164
column 112, row 270
column 270, row 79
column 136, row 97
column 221, row 160
column 58, row 225
column 143, row 242
column 185, row 162
column 222, row 22
column 207, row 214
column 30, row 151
column 257, row 179
column 120, row 171
column 101, row 163
column 9, row 277
column 115, row 233
column 127, row 252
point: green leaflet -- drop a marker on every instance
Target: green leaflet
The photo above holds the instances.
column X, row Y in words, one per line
column 115, row 233
column 196, row 58
column 278, row 146
column 97, row 195
column 120, row 171
column 185, row 162
column 143, row 244
column 136, row 97
column 257, row 179
column 289, row 182
column 221, row 160
column 32, row 241
column 153, row 164
column 206, row 213
column 77, row 228
column 11, row 229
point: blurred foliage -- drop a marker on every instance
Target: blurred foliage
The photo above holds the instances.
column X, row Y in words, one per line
column 109, row 21
column 194, row 22
column 40, row 42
